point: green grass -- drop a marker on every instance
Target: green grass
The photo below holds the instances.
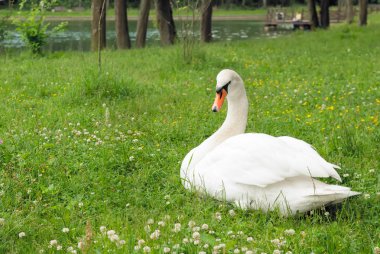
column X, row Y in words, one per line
column 105, row 150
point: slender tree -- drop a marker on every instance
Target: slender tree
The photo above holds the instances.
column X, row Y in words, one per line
column 325, row 14
column 349, row 11
column 313, row 13
column 142, row 23
column 98, row 34
column 165, row 22
column 206, row 21
column 121, row 24
column 363, row 12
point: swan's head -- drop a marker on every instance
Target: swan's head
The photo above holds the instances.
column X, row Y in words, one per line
column 228, row 82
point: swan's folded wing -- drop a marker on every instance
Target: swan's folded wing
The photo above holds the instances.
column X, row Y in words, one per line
column 261, row 160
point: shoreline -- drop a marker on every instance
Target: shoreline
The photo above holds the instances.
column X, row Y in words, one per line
column 257, row 17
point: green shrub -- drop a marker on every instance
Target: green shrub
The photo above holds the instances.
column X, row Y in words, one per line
column 33, row 29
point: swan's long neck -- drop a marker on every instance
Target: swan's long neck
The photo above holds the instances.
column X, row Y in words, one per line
column 235, row 123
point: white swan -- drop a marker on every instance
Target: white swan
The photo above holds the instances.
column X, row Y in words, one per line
column 255, row 170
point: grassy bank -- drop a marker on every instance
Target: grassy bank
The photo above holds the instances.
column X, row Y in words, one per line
column 78, row 148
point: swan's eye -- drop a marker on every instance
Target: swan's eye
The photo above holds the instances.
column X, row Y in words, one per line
column 225, row 87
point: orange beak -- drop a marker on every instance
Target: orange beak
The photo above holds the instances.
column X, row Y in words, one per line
column 219, row 99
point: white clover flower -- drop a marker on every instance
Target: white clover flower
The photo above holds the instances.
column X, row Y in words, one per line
column 218, row 216
column 177, row 227
column 276, row 252
column 346, row 175
column 196, row 229
column 176, row 246
column 289, row 252
column 166, row 249
column 372, row 170
column 232, row 213
column 230, row 232
column 289, row 231
column 131, row 158
column 65, row 230
column 136, row 248
column 81, row 245
column 155, row 235
column 202, row 252
column 366, row 196
column 196, row 242
column 80, row 204
column 206, row 246
column 204, row 227
column 140, row 242
column 111, row 232
column 114, row 238
column 2, row 221
column 59, row 247
column 53, row 242
column 21, row 234
column 147, row 228
column 244, row 249
column 376, row 250
column 236, row 251
column 196, row 235
column 102, row 229
column 185, row 240
column 191, row 224
column 161, row 223
column 249, row 252
column 146, row 249
column 150, row 221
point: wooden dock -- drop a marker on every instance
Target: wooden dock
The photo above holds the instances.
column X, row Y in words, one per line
column 281, row 17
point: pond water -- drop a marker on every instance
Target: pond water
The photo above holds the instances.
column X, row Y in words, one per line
column 77, row 36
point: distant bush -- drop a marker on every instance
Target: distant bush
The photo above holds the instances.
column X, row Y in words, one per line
column 33, row 29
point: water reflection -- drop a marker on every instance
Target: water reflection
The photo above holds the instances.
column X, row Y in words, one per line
column 77, row 36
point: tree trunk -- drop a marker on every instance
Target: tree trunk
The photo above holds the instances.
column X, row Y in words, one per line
column 325, row 15
column 142, row 23
column 363, row 12
column 349, row 11
column 98, row 35
column 206, row 22
column 121, row 24
column 313, row 13
column 165, row 22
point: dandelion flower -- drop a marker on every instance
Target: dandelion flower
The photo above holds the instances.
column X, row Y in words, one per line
column 21, row 234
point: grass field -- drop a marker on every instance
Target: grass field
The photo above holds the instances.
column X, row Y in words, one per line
column 90, row 163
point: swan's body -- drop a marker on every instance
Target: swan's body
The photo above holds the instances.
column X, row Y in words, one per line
column 255, row 170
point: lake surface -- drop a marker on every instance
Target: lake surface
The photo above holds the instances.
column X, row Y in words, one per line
column 77, row 36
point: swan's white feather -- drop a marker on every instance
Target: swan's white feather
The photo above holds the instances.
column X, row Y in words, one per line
column 256, row 170
column 260, row 159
